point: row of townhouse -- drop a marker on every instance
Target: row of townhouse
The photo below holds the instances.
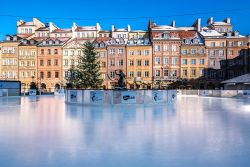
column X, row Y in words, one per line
column 44, row 53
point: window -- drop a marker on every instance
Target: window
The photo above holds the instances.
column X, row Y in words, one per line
column 138, row 62
column 212, row 52
column 221, row 52
column 66, row 53
column 146, row 74
column 212, row 44
column 184, row 61
column 222, row 44
column 146, row 63
column 184, row 51
column 139, row 52
column 120, row 62
column 165, row 72
column 72, row 52
column 49, row 63
column 193, row 72
column 193, row 61
column 138, row 73
column 41, row 63
column 120, row 51
column 33, row 52
column 48, row 74
column 157, row 73
column 56, row 51
column 42, row 51
column 174, row 60
column 112, row 74
column 193, row 51
column 174, row 48
column 79, row 52
column 165, row 48
column 165, row 60
column 202, row 72
column 157, row 48
column 103, row 64
column 184, row 72
column 49, row 51
column 56, row 62
column 33, row 63
column 231, row 52
column 66, row 62
column 240, row 43
column 157, row 60
column 131, row 74
column 202, row 51
column 146, row 52
column 131, row 52
column 112, row 51
column 112, row 63
column 41, row 75
column 230, row 44
column 202, row 61
column 174, row 73
column 131, row 62
column 56, row 74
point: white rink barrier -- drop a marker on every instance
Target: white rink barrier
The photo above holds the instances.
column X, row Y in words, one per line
column 217, row 93
column 102, row 97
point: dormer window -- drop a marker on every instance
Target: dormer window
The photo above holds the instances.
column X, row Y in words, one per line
column 7, row 38
column 236, row 33
column 50, row 42
column 102, row 45
column 165, row 35
column 24, row 41
column 57, row 42
column 15, row 38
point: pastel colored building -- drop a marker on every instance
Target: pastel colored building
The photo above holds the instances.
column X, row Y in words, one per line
column 9, row 58
column 49, row 59
column 193, row 55
column 166, row 53
column 27, row 62
column 139, row 63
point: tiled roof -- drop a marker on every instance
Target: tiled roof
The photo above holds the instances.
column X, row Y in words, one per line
column 219, row 23
column 27, row 24
column 86, row 28
column 210, row 33
column 24, row 35
column 43, row 29
column 62, row 30
column 187, row 34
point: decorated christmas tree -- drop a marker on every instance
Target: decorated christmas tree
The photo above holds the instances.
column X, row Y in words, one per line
column 88, row 74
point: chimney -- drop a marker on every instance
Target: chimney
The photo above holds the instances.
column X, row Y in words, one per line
column 129, row 28
column 20, row 22
column 198, row 25
column 173, row 23
column 210, row 21
column 228, row 20
column 98, row 27
column 113, row 28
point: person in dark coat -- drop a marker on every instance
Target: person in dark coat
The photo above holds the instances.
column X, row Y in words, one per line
column 122, row 76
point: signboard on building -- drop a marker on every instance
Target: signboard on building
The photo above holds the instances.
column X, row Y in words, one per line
column 97, row 97
column 128, row 97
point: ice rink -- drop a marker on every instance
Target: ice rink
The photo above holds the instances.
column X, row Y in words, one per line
column 194, row 132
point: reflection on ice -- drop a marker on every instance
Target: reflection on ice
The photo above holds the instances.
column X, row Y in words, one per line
column 44, row 131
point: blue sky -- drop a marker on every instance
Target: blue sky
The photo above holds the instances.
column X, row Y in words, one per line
column 96, row 9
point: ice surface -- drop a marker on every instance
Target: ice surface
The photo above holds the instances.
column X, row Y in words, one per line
column 195, row 132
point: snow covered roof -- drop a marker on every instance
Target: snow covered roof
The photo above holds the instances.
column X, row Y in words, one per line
column 241, row 79
column 220, row 23
column 163, row 27
column 43, row 29
column 185, row 28
column 210, row 33
column 121, row 30
column 62, row 30
column 86, row 28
